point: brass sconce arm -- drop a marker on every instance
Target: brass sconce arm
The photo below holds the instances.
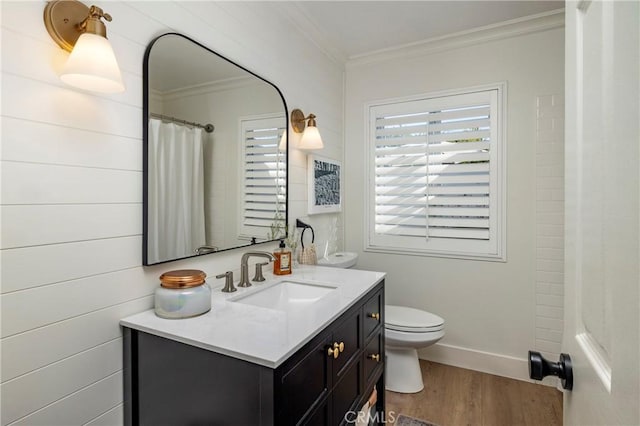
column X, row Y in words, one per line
column 299, row 121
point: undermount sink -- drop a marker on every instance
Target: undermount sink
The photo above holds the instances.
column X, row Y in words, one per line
column 286, row 295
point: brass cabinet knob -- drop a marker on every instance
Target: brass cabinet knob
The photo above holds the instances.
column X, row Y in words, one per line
column 375, row 316
column 334, row 352
column 336, row 349
column 375, row 357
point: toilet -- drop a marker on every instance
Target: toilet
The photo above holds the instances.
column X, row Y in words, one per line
column 406, row 330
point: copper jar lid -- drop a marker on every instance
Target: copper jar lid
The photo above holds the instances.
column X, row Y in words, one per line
column 182, row 278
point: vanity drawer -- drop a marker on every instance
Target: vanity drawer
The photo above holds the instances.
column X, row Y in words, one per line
column 373, row 356
column 373, row 314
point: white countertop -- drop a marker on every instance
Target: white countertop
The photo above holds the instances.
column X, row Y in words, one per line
column 261, row 335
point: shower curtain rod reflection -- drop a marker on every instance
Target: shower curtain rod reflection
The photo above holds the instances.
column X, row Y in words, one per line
column 207, row 127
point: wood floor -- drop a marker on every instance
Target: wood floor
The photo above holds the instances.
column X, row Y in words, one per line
column 455, row 396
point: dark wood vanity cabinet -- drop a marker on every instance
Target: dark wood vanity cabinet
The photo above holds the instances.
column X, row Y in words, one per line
column 325, row 382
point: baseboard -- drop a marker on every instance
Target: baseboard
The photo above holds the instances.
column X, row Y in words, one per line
column 486, row 362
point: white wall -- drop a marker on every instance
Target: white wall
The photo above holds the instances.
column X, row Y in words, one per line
column 489, row 307
column 72, row 193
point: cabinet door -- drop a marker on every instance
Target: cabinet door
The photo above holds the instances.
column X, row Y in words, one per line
column 321, row 416
column 304, row 382
column 347, row 394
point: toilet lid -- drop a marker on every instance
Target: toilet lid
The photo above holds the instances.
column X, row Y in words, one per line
column 402, row 318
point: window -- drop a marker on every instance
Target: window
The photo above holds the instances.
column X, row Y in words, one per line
column 264, row 176
column 436, row 175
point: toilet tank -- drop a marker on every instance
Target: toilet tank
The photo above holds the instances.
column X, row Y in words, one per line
column 341, row 259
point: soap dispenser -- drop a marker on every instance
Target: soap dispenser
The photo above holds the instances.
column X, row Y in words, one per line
column 282, row 264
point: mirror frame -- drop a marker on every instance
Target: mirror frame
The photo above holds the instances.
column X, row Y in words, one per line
column 145, row 150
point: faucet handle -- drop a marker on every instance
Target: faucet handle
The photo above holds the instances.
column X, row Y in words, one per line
column 259, row 277
column 228, row 282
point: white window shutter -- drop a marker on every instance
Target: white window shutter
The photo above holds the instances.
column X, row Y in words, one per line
column 401, row 175
column 263, row 182
column 434, row 171
column 459, row 169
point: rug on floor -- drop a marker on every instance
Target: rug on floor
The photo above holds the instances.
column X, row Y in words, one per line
column 403, row 420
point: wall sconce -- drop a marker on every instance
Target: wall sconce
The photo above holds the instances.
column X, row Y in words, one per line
column 310, row 135
column 78, row 29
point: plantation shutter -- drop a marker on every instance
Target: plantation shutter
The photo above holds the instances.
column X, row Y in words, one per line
column 459, row 166
column 401, row 159
column 263, row 183
column 433, row 167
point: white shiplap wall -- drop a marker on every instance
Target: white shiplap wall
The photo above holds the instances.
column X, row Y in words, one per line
column 72, row 194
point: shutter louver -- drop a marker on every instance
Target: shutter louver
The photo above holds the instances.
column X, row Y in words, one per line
column 264, row 176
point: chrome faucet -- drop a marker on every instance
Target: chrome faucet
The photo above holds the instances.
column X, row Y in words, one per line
column 244, row 266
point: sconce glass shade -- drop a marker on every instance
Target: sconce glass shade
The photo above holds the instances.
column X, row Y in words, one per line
column 311, row 139
column 92, row 66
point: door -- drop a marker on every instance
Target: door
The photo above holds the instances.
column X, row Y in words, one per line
column 602, row 282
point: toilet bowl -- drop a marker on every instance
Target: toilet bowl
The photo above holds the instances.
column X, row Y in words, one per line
column 406, row 331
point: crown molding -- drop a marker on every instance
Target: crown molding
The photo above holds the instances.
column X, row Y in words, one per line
column 306, row 26
column 502, row 30
column 209, row 87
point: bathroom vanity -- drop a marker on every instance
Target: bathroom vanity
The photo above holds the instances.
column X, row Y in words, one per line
column 304, row 349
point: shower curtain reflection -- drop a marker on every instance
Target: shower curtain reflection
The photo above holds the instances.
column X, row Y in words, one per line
column 176, row 191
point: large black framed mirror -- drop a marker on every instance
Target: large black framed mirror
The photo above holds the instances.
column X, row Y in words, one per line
column 215, row 153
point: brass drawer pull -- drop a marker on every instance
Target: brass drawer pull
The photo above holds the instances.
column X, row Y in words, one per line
column 375, row 357
column 375, row 316
column 335, row 350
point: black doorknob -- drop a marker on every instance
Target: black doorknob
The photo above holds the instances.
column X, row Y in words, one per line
column 539, row 368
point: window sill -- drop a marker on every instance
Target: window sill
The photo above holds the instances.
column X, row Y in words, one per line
column 433, row 253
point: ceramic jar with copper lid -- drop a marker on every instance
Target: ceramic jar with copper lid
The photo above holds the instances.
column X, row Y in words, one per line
column 182, row 294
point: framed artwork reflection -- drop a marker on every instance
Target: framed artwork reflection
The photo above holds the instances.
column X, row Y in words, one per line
column 324, row 181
